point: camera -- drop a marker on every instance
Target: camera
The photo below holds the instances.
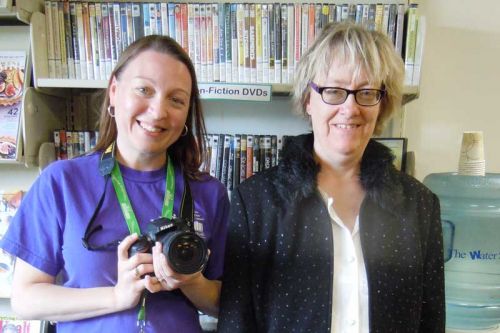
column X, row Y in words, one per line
column 186, row 252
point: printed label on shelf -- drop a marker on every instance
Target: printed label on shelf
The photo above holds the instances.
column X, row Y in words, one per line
column 240, row 92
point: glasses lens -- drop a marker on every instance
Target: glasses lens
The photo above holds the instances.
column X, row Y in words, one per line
column 334, row 96
column 368, row 97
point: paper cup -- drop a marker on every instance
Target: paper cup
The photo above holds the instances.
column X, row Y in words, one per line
column 471, row 162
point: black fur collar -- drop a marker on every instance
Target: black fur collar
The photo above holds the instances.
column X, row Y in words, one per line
column 297, row 170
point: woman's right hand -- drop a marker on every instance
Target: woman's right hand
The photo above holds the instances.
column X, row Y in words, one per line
column 131, row 271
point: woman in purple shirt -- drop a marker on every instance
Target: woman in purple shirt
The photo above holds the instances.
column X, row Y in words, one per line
column 71, row 221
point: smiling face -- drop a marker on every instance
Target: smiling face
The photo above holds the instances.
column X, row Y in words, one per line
column 341, row 132
column 151, row 101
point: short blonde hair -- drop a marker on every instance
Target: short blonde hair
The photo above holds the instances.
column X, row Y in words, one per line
column 370, row 52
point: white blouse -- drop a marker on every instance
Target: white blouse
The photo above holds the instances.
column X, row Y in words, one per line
column 350, row 286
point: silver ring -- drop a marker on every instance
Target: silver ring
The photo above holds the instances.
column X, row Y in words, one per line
column 137, row 273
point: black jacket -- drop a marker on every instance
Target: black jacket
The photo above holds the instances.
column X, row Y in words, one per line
column 278, row 273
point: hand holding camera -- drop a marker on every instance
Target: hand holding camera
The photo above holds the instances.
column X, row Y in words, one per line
column 185, row 251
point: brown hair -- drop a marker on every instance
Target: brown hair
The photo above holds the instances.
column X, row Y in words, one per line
column 189, row 150
column 363, row 50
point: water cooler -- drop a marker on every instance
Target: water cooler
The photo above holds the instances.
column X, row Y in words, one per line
column 470, row 215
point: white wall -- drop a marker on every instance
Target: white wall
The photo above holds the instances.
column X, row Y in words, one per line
column 460, row 88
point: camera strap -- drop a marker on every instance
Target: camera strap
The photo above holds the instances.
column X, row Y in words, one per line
column 109, row 168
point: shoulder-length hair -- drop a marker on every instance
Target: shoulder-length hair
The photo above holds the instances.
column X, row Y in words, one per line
column 189, row 150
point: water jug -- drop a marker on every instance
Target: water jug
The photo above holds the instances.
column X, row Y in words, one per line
column 470, row 214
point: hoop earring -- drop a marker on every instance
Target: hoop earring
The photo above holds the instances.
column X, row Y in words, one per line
column 111, row 111
column 185, row 132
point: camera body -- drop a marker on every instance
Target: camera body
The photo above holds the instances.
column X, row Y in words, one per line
column 186, row 252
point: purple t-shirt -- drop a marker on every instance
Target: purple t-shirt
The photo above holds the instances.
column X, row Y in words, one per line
column 48, row 228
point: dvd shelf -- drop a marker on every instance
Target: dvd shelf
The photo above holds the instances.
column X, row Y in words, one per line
column 74, row 45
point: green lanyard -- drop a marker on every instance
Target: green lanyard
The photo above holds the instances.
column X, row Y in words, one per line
column 131, row 219
column 128, row 211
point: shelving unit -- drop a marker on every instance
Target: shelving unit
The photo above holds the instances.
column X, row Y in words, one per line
column 223, row 117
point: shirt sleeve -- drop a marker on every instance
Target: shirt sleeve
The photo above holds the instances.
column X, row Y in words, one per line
column 236, row 311
column 34, row 234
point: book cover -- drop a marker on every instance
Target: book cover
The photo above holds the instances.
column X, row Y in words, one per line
column 87, row 41
column 400, row 29
column 62, row 38
column 190, row 28
column 68, row 40
column 236, row 164
column 220, row 157
column 178, row 23
column 243, row 157
column 96, row 60
column 297, row 39
column 249, row 170
column 230, row 165
column 184, row 26
column 146, row 26
column 130, row 24
column 106, row 40
column 410, row 42
column 265, row 43
column 117, row 30
column 12, row 72
column 197, row 40
column 228, row 41
column 225, row 159
column 74, row 39
column 240, row 26
column 251, row 44
column 9, row 203
column 234, row 43
column 164, row 19
column 258, row 42
column 159, row 30
column 291, row 43
column 57, row 40
column 222, row 42
column 256, row 154
column 215, row 44
column 277, row 42
column 214, row 153
column 137, row 24
column 272, row 42
column 284, row 44
column 209, row 43
column 14, row 325
column 419, row 51
column 203, row 44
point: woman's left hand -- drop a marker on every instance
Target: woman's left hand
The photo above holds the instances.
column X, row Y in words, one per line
column 165, row 277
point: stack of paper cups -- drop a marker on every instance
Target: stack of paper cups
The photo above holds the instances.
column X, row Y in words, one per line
column 471, row 162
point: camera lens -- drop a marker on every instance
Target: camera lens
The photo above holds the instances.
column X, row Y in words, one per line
column 186, row 252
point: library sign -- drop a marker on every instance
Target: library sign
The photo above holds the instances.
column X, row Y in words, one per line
column 239, row 92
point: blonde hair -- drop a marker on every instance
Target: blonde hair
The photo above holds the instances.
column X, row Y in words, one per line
column 368, row 52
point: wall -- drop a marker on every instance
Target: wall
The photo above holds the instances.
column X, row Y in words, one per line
column 460, row 84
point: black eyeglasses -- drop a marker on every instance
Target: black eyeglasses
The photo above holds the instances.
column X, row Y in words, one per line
column 337, row 96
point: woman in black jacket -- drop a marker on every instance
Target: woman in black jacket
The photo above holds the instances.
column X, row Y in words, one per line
column 335, row 239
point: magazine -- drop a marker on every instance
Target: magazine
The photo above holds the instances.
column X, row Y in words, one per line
column 12, row 71
column 13, row 325
column 9, row 203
